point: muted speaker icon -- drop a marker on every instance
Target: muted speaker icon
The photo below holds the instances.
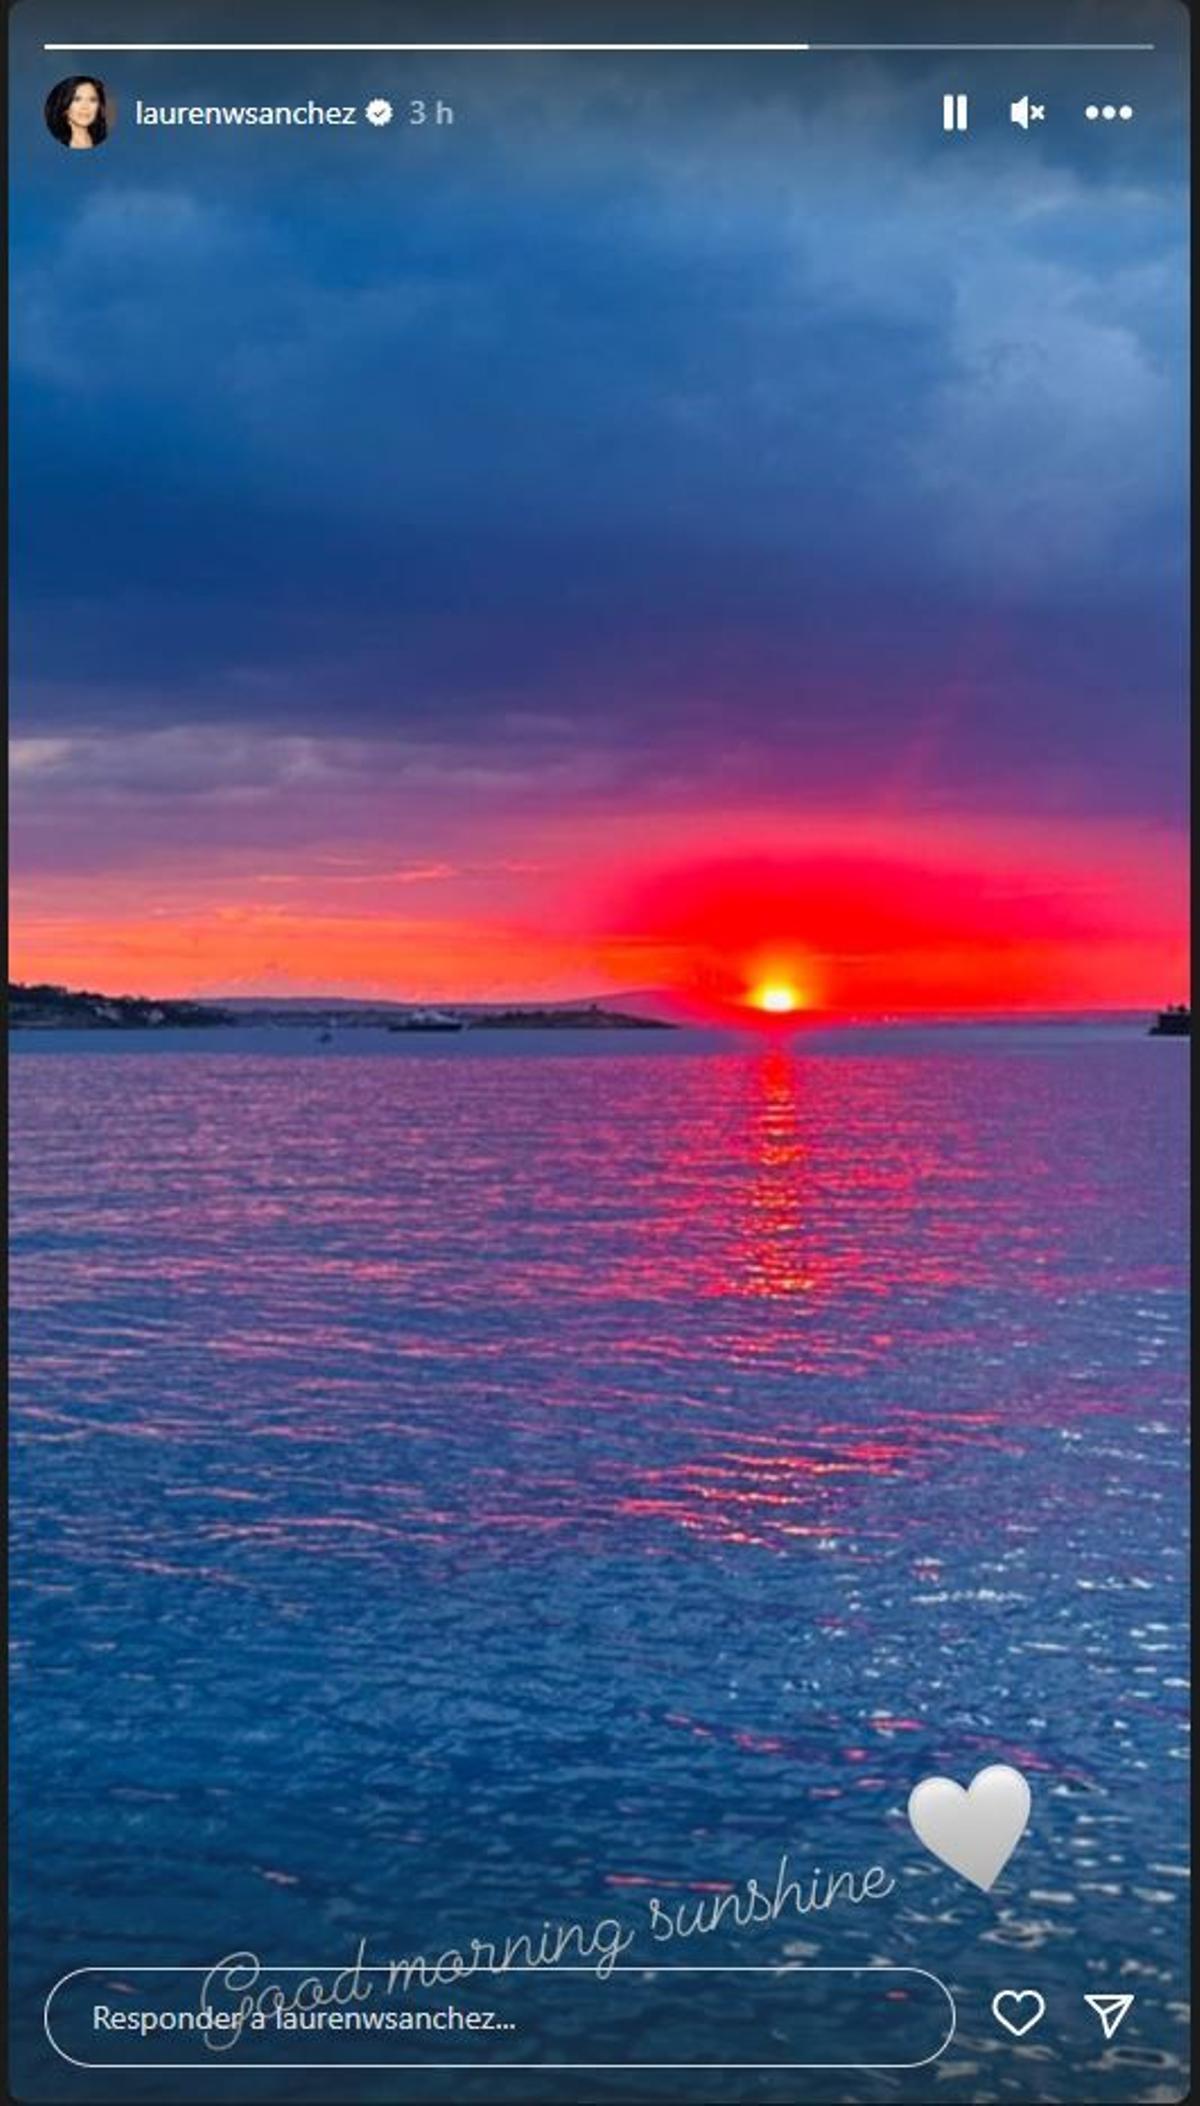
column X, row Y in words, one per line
column 1026, row 113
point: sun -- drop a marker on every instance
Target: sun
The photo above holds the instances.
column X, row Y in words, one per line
column 777, row 998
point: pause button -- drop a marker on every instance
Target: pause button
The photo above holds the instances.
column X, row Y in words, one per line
column 954, row 113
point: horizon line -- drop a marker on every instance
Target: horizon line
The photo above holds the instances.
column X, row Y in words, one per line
column 666, row 997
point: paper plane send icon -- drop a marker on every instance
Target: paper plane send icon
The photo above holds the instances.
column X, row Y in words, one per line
column 1112, row 2011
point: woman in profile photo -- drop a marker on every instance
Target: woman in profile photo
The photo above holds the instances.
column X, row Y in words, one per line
column 76, row 111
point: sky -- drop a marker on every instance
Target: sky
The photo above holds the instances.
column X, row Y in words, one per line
column 689, row 524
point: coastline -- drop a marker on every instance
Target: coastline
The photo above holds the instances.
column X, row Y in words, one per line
column 297, row 1040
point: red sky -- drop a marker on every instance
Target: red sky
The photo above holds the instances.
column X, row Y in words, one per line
column 903, row 916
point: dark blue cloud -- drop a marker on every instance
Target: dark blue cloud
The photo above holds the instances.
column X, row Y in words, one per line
column 705, row 413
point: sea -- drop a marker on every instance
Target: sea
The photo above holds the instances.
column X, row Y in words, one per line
column 469, row 1485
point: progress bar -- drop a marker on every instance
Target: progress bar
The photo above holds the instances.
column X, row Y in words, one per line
column 443, row 48
column 452, row 49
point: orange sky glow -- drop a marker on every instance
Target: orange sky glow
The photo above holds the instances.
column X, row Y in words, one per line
column 859, row 920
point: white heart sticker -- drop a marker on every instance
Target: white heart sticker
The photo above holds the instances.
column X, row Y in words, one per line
column 975, row 1831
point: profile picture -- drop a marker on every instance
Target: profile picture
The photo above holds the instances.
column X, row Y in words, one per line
column 77, row 111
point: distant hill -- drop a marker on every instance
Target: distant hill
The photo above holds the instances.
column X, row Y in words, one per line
column 46, row 1007
column 43, row 1007
column 640, row 1002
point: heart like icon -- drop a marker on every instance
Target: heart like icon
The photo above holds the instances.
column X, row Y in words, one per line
column 975, row 1831
column 1028, row 2008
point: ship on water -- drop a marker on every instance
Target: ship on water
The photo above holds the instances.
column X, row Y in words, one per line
column 427, row 1020
column 1175, row 1021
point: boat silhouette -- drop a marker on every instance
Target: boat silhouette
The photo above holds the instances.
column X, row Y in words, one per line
column 1175, row 1021
column 427, row 1020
